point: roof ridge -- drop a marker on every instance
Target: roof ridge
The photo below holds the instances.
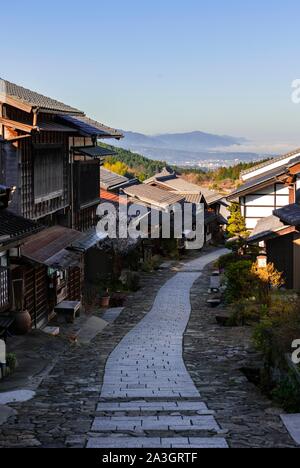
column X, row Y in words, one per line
column 22, row 97
column 270, row 161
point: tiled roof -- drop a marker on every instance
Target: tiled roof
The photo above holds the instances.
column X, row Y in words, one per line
column 93, row 151
column 261, row 180
column 192, row 197
column 110, row 180
column 154, row 195
column 90, row 127
column 211, row 196
column 165, row 174
column 270, row 161
column 266, row 227
column 182, row 185
column 289, row 214
column 51, row 247
column 110, row 197
column 13, row 227
column 89, row 239
column 34, row 99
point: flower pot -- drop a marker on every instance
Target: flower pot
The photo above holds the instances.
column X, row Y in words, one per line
column 104, row 301
column 22, row 324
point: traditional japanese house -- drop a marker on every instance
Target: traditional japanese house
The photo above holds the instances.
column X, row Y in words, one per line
column 267, row 187
column 14, row 230
column 49, row 154
column 279, row 239
column 157, row 201
column 214, row 203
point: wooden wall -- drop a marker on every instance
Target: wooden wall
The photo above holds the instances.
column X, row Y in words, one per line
column 280, row 251
column 297, row 262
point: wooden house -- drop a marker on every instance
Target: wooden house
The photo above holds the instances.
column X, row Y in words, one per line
column 14, row 231
column 214, row 203
column 279, row 239
column 49, row 155
column 267, row 187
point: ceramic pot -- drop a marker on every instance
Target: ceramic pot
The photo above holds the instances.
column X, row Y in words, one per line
column 104, row 301
column 23, row 323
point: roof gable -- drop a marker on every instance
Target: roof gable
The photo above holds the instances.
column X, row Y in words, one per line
column 10, row 92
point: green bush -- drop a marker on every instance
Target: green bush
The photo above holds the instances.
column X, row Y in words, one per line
column 240, row 281
column 11, row 362
column 287, row 394
column 245, row 312
column 225, row 260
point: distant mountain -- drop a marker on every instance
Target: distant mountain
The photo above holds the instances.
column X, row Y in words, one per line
column 186, row 148
column 193, row 141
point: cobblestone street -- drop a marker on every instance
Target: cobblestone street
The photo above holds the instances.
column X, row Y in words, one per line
column 135, row 385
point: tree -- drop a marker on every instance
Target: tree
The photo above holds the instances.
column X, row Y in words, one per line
column 117, row 167
column 236, row 223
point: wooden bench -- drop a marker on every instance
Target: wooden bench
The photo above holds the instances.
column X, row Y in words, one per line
column 69, row 309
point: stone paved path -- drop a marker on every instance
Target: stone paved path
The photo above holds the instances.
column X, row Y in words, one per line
column 148, row 398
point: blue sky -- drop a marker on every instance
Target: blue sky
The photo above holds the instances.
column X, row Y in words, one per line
column 162, row 65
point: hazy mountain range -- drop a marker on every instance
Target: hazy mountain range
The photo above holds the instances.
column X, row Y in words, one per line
column 194, row 148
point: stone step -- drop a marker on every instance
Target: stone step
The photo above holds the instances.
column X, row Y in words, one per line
column 143, row 405
column 157, row 442
column 155, row 423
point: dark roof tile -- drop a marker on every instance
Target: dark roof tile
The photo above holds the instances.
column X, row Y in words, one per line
column 34, row 99
column 289, row 214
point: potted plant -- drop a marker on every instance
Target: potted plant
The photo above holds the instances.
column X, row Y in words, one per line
column 22, row 324
column 105, row 299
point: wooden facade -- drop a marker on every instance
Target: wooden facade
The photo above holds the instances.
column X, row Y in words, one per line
column 53, row 187
column 284, row 252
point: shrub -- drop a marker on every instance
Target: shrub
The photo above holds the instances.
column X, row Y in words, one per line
column 269, row 278
column 11, row 362
column 226, row 260
column 130, row 280
column 287, row 394
column 245, row 312
column 240, row 281
column 236, row 223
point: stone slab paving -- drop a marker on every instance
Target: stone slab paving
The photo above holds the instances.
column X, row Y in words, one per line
column 155, row 423
column 91, row 329
column 292, row 423
column 148, row 364
column 214, row 356
column 111, row 315
column 66, row 402
column 157, row 442
column 144, row 405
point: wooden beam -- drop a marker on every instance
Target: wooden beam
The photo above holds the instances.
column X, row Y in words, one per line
column 20, row 137
column 292, row 194
column 17, row 125
column 35, row 116
column 295, row 169
column 5, row 99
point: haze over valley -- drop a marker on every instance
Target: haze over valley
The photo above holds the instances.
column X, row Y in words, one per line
column 194, row 149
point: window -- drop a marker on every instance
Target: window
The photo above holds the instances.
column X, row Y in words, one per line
column 87, row 182
column 48, row 173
